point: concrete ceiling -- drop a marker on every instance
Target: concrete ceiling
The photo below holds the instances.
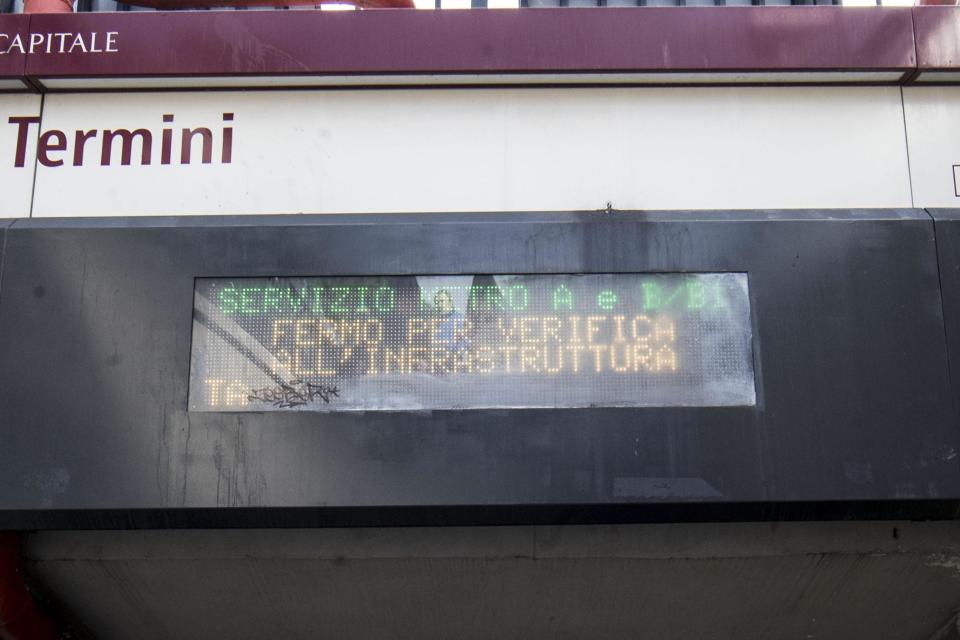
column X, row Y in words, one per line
column 836, row 580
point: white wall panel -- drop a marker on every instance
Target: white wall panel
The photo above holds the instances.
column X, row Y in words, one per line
column 933, row 132
column 16, row 183
column 491, row 150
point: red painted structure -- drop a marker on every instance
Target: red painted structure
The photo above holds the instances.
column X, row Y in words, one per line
column 65, row 6
column 47, row 6
column 20, row 617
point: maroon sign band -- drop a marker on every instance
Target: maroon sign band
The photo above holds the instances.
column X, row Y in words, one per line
column 547, row 40
column 857, row 45
column 938, row 37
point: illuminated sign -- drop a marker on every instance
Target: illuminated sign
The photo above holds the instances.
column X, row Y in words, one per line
column 471, row 342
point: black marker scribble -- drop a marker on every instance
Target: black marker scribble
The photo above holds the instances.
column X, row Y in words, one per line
column 294, row 394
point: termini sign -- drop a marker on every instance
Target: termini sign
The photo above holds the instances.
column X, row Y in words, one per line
column 486, row 149
column 379, row 150
column 56, row 148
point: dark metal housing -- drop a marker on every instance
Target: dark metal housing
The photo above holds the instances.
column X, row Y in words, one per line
column 854, row 414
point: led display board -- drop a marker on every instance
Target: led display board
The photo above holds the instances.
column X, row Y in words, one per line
column 471, row 342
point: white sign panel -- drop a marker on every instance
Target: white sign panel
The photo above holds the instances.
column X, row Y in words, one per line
column 933, row 131
column 17, row 152
column 470, row 150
